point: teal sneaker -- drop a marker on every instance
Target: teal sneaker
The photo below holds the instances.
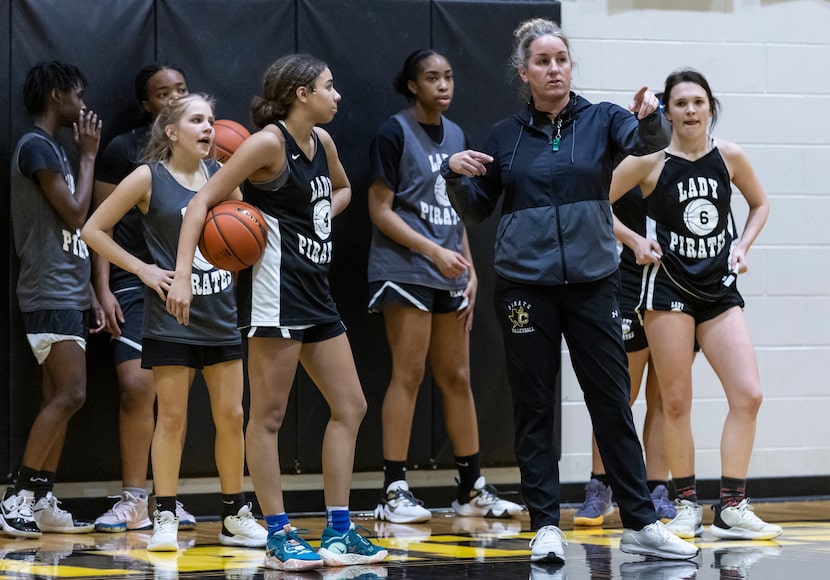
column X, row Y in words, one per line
column 285, row 550
column 349, row 548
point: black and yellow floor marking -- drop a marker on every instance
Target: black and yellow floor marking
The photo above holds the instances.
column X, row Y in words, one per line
column 416, row 552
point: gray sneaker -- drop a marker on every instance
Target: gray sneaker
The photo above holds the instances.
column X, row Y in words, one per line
column 656, row 540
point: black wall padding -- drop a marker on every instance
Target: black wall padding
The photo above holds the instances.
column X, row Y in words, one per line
column 224, row 48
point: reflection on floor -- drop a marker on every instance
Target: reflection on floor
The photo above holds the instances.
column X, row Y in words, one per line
column 447, row 546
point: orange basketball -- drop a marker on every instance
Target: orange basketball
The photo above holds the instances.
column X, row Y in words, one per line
column 227, row 136
column 234, row 235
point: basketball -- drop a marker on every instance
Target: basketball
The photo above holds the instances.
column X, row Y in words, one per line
column 234, row 236
column 227, row 136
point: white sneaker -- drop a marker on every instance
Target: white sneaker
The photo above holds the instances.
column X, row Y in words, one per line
column 128, row 513
column 740, row 523
column 400, row 506
column 51, row 518
column 187, row 521
column 545, row 571
column 16, row 517
column 485, row 502
column 243, row 530
column 165, row 533
column 687, row 523
column 742, row 559
column 658, row 570
column 656, row 540
column 548, row 545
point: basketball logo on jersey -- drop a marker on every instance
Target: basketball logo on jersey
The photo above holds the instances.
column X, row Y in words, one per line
column 700, row 217
column 318, row 252
column 208, row 279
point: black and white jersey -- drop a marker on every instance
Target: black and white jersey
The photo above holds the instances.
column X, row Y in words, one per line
column 688, row 213
column 289, row 286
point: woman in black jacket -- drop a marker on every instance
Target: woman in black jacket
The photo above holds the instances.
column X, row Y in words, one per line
column 556, row 261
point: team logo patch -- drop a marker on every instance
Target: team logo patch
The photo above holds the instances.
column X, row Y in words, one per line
column 519, row 317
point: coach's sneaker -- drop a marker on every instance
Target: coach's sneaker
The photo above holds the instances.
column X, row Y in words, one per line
column 665, row 509
column 740, row 523
column 349, row 548
column 548, row 545
column 50, row 517
column 484, row 501
column 399, row 506
column 597, row 505
column 687, row 523
column 286, row 550
column 656, row 540
column 659, row 570
column 740, row 560
column 128, row 513
column 16, row 516
column 165, row 536
column 186, row 519
column 243, row 530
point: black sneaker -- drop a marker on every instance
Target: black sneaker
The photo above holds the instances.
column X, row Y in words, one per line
column 16, row 516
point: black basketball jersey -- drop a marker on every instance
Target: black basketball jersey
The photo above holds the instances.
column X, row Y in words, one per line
column 289, row 286
column 121, row 156
column 689, row 215
column 630, row 209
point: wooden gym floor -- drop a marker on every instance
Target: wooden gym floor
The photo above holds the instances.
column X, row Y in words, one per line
column 447, row 546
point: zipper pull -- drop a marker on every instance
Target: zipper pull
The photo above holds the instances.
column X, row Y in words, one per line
column 554, row 144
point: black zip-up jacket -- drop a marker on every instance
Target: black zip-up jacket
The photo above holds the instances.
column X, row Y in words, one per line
column 556, row 224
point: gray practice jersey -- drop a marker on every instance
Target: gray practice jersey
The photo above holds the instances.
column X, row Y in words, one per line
column 213, row 310
column 421, row 201
column 54, row 261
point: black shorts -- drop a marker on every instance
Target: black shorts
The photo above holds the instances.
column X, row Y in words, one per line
column 46, row 327
column 161, row 353
column 661, row 294
column 420, row 297
column 634, row 336
column 128, row 345
column 306, row 335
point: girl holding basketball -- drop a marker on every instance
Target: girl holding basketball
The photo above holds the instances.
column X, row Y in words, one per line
column 177, row 166
column 293, row 175
column 691, row 293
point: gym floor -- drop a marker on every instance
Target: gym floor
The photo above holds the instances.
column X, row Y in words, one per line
column 447, row 546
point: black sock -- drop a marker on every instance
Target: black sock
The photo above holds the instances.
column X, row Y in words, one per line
column 469, row 470
column 685, row 488
column 166, row 504
column 39, row 482
column 601, row 477
column 732, row 491
column 231, row 503
column 393, row 471
column 653, row 483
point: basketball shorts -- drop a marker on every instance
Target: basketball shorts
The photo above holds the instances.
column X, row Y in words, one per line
column 660, row 293
column 128, row 346
column 46, row 327
column 421, row 297
column 160, row 353
column 634, row 336
column 304, row 334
